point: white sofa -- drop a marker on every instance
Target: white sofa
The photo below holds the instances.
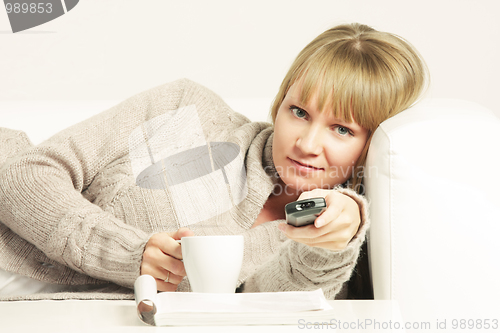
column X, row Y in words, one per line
column 432, row 178
column 42, row 119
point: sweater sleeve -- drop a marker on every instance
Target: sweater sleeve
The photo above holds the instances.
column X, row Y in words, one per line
column 295, row 266
column 41, row 191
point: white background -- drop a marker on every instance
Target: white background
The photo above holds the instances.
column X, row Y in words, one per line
column 112, row 49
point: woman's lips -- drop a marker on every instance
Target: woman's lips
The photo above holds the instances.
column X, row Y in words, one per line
column 303, row 167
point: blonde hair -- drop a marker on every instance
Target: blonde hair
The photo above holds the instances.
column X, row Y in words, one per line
column 364, row 75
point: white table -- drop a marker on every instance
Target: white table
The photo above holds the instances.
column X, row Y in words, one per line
column 120, row 316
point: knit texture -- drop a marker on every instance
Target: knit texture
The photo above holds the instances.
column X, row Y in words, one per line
column 72, row 212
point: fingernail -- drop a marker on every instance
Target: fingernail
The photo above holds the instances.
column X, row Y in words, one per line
column 319, row 223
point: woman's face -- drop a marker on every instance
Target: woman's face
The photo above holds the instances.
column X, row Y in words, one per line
column 312, row 149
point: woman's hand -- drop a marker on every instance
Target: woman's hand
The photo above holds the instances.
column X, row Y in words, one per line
column 162, row 259
column 334, row 228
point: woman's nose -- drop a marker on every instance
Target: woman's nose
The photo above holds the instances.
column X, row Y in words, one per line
column 309, row 141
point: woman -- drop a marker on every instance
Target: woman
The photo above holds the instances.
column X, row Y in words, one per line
column 105, row 200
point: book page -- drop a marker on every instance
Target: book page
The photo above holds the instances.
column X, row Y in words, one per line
column 273, row 302
column 145, row 298
column 188, row 309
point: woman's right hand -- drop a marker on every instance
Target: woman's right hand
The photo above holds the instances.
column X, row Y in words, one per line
column 162, row 259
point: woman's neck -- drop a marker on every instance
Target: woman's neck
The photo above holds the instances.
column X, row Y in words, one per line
column 279, row 198
column 274, row 208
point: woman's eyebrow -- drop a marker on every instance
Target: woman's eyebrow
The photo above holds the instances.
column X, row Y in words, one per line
column 295, row 100
column 351, row 124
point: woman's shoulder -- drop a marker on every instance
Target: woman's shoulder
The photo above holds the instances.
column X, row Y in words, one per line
column 214, row 114
column 187, row 90
column 12, row 142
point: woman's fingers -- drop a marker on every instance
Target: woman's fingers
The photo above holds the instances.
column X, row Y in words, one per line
column 162, row 259
column 332, row 212
column 156, row 260
column 334, row 228
column 165, row 286
column 167, row 242
column 333, row 240
column 170, row 247
column 181, row 232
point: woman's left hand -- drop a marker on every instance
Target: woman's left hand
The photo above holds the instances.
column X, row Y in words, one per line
column 334, row 228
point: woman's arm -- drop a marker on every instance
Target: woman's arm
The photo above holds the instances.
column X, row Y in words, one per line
column 296, row 266
column 41, row 190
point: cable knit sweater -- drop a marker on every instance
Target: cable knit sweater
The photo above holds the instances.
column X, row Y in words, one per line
column 74, row 212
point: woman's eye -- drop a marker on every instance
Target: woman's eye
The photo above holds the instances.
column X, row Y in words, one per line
column 343, row 130
column 298, row 112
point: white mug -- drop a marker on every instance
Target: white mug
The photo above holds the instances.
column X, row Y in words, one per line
column 212, row 263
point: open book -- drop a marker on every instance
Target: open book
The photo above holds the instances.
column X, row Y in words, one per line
column 195, row 309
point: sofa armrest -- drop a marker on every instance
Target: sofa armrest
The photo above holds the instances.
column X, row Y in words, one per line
column 433, row 180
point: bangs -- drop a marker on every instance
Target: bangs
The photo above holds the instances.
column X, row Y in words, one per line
column 357, row 74
column 348, row 83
